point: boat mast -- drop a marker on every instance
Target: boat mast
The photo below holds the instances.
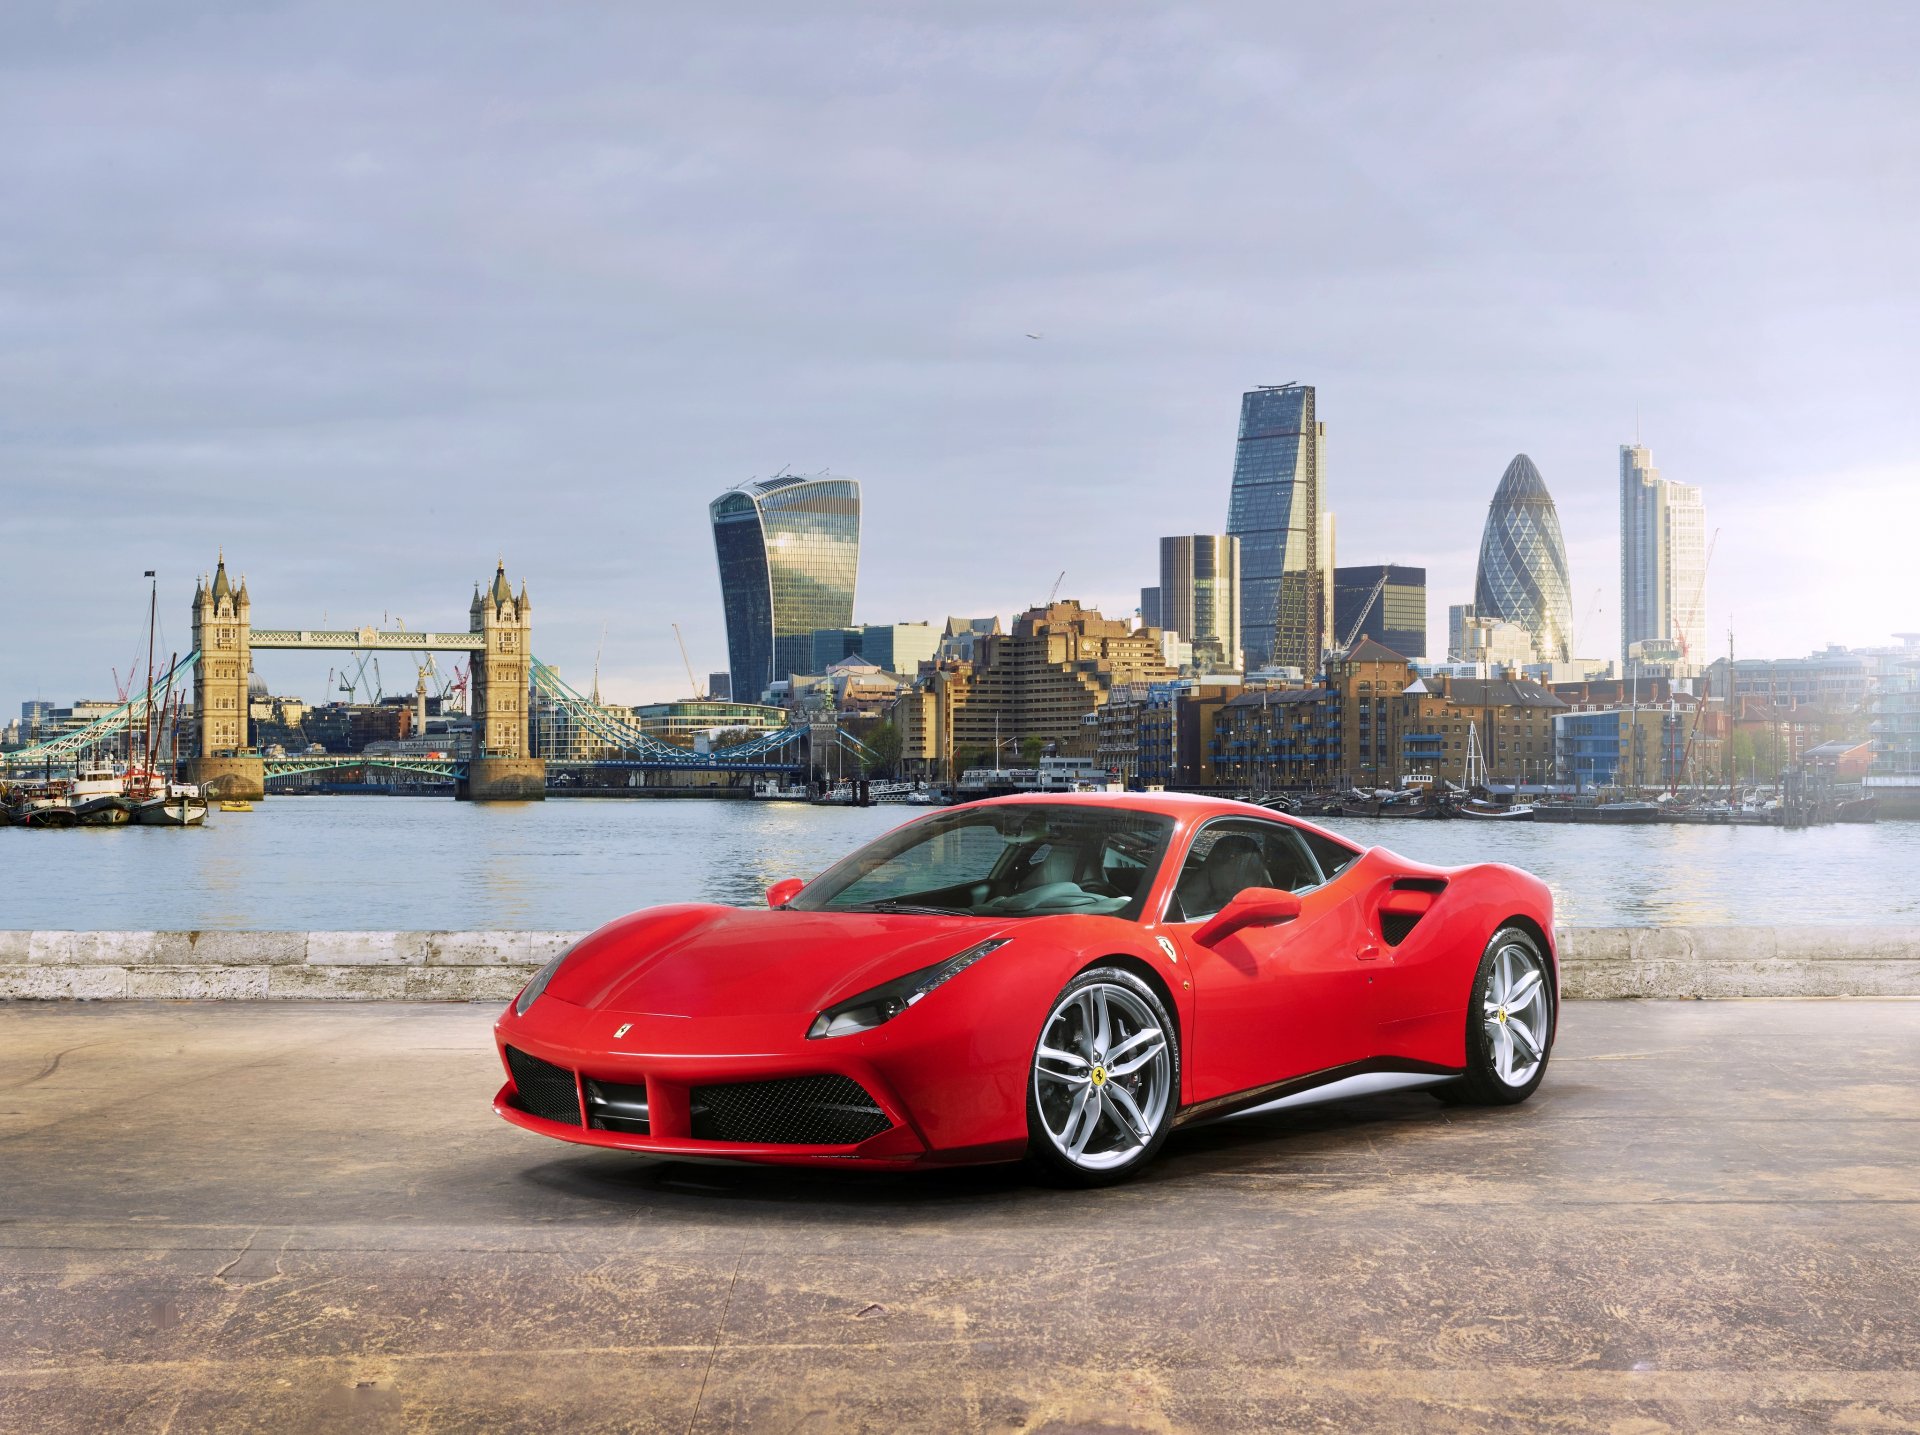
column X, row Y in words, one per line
column 153, row 611
column 160, row 733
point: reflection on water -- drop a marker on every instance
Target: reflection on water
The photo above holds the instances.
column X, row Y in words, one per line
column 373, row 862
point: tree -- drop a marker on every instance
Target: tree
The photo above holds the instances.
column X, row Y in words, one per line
column 1030, row 749
column 885, row 742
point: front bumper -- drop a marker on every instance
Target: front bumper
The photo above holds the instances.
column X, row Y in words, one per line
column 673, row 1059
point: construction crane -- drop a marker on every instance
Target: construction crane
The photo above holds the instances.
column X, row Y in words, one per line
column 1054, row 592
column 1698, row 612
column 1353, row 634
column 1592, row 608
column 699, row 693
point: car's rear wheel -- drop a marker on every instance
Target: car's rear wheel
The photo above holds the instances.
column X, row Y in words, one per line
column 1510, row 1024
column 1105, row 1080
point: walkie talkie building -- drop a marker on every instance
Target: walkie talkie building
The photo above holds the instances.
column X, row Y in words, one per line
column 789, row 553
column 1523, row 563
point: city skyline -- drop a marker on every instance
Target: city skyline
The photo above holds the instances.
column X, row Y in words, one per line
column 370, row 342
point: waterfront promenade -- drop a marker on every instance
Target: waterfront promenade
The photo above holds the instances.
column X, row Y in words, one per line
column 305, row 1217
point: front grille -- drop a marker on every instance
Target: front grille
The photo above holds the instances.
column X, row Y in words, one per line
column 799, row 1111
column 543, row 1089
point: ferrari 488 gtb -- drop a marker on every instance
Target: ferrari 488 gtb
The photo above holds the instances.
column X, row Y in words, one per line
column 1063, row 978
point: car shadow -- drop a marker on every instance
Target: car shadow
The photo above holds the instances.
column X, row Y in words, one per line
column 1253, row 1142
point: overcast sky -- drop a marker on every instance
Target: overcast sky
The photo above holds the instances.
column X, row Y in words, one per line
column 371, row 294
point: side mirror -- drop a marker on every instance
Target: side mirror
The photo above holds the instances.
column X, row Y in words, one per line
column 783, row 892
column 1250, row 907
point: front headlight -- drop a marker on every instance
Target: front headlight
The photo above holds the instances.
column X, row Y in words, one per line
column 530, row 993
column 885, row 1002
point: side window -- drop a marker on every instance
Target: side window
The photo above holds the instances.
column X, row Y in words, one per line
column 1229, row 856
column 1333, row 857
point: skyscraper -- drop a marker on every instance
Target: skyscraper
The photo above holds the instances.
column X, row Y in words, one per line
column 789, row 554
column 1275, row 513
column 1200, row 596
column 1663, row 569
column 1397, row 619
column 1523, row 563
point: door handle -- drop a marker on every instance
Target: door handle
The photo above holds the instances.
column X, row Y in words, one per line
column 1369, row 952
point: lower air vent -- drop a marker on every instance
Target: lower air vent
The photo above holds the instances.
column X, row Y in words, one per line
column 799, row 1111
column 543, row 1089
column 617, row 1108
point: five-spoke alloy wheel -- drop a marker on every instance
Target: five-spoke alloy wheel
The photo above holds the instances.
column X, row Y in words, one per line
column 1105, row 1080
column 1510, row 1023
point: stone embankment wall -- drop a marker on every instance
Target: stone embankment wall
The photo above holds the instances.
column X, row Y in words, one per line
column 490, row 966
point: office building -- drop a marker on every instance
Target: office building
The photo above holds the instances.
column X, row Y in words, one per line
column 1199, row 597
column 1663, row 568
column 1523, row 563
column 1275, row 512
column 1040, row 682
column 1386, row 602
column 891, row 647
column 789, row 556
column 1150, row 608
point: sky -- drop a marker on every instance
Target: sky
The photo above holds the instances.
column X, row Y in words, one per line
column 371, row 296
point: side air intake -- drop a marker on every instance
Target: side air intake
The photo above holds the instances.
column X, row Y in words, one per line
column 1409, row 899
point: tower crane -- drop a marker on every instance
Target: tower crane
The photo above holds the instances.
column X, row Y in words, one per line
column 1698, row 612
column 1353, row 634
column 693, row 683
column 1593, row 606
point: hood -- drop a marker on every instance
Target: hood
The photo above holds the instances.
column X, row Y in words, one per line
column 696, row 961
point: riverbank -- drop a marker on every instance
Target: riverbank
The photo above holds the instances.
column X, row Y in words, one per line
column 1596, row 962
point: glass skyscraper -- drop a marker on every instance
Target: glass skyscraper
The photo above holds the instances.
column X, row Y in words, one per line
column 1523, row 563
column 1663, row 565
column 1275, row 513
column 1199, row 596
column 1396, row 618
column 789, row 553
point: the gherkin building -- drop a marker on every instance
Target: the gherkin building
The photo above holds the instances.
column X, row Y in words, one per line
column 1523, row 563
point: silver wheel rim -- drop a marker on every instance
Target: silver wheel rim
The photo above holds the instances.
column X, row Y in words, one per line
column 1517, row 1013
column 1102, row 1077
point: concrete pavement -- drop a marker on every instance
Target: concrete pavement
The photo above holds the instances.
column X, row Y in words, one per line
column 297, row 1217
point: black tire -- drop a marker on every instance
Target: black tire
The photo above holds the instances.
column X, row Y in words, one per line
column 1046, row 1157
column 1483, row 1084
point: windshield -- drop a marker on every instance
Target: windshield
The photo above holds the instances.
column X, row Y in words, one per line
column 1020, row 860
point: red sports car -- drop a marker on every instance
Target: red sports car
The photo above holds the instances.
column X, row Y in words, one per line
column 1065, row 978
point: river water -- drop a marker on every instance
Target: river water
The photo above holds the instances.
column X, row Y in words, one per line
column 331, row 863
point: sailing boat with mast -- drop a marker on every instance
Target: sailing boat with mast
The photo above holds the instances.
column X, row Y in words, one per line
column 156, row 799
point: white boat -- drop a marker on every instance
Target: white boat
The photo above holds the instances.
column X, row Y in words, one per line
column 181, row 806
column 98, row 798
column 773, row 790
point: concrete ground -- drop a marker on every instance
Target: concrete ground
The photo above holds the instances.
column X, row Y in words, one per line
column 290, row 1218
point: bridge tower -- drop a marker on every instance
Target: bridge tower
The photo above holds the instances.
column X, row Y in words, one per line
column 222, row 628
column 502, row 767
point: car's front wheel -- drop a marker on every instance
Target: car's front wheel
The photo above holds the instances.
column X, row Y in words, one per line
column 1105, row 1080
column 1510, row 1024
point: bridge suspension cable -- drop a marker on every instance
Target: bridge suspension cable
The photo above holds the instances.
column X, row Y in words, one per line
column 109, row 727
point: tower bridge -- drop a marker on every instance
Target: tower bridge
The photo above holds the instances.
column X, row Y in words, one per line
column 505, row 680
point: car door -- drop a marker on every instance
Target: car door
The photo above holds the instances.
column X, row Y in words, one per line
column 1270, row 1003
